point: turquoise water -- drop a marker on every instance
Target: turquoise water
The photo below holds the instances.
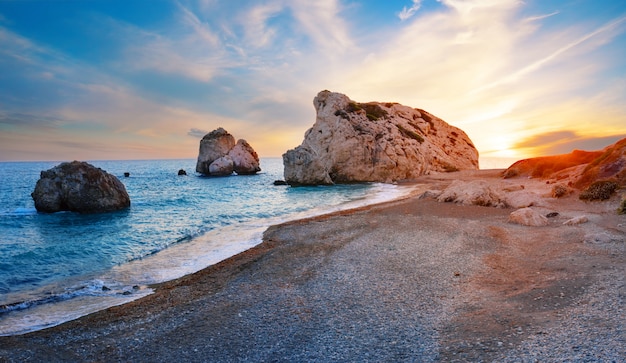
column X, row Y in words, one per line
column 55, row 267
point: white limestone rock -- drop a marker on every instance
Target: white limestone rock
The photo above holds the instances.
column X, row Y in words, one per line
column 576, row 220
column 222, row 167
column 528, row 217
column 245, row 159
column 476, row 192
column 219, row 155
column 375, row 142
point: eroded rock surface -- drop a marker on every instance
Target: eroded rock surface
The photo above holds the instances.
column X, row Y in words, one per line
column 79, row 187
column 219, row 155
column 375, row 142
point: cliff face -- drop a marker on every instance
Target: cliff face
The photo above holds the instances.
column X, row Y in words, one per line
column 578, row 169
column 375, row 142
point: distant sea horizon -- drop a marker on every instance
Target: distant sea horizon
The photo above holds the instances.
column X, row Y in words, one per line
column 485, row 162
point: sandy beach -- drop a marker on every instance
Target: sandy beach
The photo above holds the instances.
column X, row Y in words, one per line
column 411, row 280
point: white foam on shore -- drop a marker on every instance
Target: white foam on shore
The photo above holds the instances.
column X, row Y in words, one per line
column 128, row 282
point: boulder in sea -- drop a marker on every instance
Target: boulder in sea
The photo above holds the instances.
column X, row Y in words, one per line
column 218, row 147
column 375, row 142
column 182, row 172
column 79, row 187
column 222, row 167
column 245, row 159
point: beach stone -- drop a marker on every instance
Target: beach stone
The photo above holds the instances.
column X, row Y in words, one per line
column 375, row 142
column 601, row 238
column 79, row 187
column 576, row 220
column 475, row 192
column 245, row 159
column 222, row 166
column 521, row 199
column 528, row 217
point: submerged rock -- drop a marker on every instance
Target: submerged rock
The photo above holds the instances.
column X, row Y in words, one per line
column 375, row 142
column 79, row 187
column 219, row 155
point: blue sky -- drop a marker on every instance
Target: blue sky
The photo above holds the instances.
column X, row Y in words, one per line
column 143, row 79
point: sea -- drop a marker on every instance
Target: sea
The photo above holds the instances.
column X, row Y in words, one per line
column 56, row 267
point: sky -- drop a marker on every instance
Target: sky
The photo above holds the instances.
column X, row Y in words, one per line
column 146, row 79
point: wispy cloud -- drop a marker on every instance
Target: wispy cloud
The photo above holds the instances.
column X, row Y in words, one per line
column 197, row 133
column 565, row 141
column 407, row 13
column 534, row 66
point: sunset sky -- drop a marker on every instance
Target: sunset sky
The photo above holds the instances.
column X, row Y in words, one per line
column 146, row 79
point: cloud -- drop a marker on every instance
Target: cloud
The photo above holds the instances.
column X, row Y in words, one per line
column 553, row 56
column 407, row 13
column 197, row 133
column 564, row 142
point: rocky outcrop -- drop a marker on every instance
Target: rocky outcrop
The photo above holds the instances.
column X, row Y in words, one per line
column 79, row 187
column 483, row 193
column 219, row 155
column 579, row 169
column 375, row 142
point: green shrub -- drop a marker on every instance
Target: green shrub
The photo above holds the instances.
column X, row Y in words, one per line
column 600, row 190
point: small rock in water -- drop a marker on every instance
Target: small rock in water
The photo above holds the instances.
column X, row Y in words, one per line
column 126, row 174
column 182, row 172
column 280, row 182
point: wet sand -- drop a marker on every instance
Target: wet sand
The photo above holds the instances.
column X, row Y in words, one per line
column 409, row 280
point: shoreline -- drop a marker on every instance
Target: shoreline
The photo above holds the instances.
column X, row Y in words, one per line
column 138, row 279
column 409, row 279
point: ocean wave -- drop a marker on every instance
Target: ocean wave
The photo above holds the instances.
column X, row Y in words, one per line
column 19, row 212
column 93, row 288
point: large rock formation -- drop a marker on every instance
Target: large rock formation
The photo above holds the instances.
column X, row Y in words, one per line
column 79, row 187
column 219, row 155
column 375, row 142
column 579, row 169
